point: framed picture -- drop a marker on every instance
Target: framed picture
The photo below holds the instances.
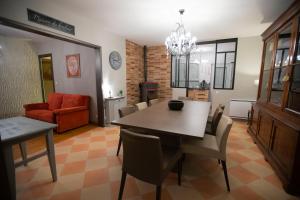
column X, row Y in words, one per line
column 73, row 65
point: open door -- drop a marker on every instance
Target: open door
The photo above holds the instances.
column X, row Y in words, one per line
column 46, row 71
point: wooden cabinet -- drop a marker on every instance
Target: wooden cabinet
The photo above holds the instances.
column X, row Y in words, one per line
column 283, row 147
column 254, row 119
column 198, row 95
column 275, row 123
column 265, row 129
column 112, row 106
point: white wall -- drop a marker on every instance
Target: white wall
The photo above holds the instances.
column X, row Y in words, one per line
column 85, row 29
column 86, row 83
column 247, row 70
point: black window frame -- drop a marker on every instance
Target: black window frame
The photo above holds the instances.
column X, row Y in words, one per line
column 225, row 52
column 216, row 42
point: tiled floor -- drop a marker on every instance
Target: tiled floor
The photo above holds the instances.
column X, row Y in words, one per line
column 88, row 169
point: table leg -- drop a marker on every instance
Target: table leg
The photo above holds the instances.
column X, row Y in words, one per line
column 23, row 152
column 10, row 169
column 51, row 154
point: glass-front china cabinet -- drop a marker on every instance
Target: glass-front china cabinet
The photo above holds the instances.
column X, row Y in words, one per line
column 275, row 117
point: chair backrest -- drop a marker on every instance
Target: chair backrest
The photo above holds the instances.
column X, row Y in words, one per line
column 222, row 133
column 142, row 156
column 126, row 111
column 185, row 98
column 141, row 106
column 222, row 106
column 153, row 101
column 216, row 118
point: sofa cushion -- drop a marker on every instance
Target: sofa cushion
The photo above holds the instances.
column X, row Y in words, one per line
column 55, row 101
column 71, row 100
column 43, row 115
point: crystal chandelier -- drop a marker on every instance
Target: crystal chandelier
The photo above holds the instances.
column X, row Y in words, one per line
column 180, row 43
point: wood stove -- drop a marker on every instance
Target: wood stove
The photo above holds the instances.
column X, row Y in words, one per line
column 148, row 91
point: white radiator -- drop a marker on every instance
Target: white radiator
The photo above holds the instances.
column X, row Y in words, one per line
column 239, row 108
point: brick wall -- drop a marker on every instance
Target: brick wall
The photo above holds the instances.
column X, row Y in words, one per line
column 134, row 71
column 159, row 70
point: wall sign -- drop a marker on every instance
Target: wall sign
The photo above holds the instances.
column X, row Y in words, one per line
column 45, row 20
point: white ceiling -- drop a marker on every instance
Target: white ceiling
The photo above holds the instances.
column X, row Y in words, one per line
column 148, row 22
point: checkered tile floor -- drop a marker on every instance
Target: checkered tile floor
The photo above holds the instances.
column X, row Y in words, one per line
column 88, row 169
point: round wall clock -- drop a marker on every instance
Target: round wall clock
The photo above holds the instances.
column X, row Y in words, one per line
column 115, row 60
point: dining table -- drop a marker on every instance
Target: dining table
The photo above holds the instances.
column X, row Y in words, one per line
column 159, row 120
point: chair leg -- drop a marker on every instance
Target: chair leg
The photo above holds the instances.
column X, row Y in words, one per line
column 123, row 179
column 219, row 161
column 158, row 192
column 225, row 174
column 119, row 146
column 179, row 170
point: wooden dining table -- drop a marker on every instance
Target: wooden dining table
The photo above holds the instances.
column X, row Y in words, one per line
column 158, row 119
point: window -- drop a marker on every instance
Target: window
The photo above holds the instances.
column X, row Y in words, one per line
column 179, row 69
column 225, row 64
column 195, row 70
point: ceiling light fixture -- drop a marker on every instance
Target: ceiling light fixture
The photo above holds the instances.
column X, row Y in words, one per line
column 180, row 43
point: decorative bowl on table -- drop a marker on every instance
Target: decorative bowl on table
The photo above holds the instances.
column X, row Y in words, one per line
column 175, row 105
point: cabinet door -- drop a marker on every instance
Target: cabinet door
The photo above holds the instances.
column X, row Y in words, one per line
column 265, row 130
column 280, row 70
column 117, row 105
column 294, row 92
column 283, row 147
column 254, row 120
column 266, row 69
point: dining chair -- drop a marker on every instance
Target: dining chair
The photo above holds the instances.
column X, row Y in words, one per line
column 122, row 113
column 211, row 146
column 141, row 105
column 185, row 98
column 212, row 127
column 153, row 101
column 209, row 120
column 145, row 159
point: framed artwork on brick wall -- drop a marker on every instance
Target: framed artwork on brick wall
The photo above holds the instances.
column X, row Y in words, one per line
column 73, row 65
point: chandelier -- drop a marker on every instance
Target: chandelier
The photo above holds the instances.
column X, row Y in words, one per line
column 180, row 43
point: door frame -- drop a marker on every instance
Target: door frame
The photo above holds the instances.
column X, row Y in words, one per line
column 41, row 73
column 98, row 50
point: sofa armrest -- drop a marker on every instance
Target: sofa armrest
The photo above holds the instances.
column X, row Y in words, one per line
column 69, row 110
column 36, row 106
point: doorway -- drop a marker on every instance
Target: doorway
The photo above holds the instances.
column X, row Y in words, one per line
column 46, row 73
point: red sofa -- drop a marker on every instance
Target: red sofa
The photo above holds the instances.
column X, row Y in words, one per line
column 68, row 111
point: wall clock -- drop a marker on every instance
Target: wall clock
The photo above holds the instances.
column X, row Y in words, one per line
column 115, row 60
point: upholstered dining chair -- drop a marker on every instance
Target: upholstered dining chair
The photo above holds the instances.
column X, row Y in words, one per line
column 211, row 146
column 145, row 159
column 122, row 113
column 153, row 101
column 220, row 106
column 212, row 127
column 141, row 105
